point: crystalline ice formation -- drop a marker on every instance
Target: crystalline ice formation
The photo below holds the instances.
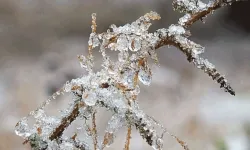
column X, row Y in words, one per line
column 116, row 85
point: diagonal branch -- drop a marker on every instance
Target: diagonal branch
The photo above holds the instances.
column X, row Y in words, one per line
column 189, row 48
column 66, row 122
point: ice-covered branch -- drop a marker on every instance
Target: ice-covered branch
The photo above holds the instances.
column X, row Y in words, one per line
column 116, row 86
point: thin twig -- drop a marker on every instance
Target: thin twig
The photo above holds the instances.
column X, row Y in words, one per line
column 127, row 143
column 108, row 137
column 94, row 130
column 199, row 15
column 66, row 122
column 171, row 40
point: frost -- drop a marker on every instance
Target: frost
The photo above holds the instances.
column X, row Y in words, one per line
column 66, row 146
column 116, row 85
column 189, row 6
column 115, row 123
column 176, row 30
column 136, row 90
column 122, row 43
column 184, row 19
column 123, row 57
column 134, row 44
column 145, row 76
column 22, row 129
column 90, row 98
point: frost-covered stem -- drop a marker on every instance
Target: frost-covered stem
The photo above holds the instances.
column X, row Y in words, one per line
column 205, row 66
column 107, row 139
column 212, row 7
column 199, row 62
column 116, row 85
column 65, row 122
column 93, row 27
column 182, row 143
column 177, row 41
column 94, row 130
column 127, row 143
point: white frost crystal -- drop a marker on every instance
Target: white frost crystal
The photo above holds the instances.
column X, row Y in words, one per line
column 22, row 129
column 135, row 44
column 90, row 98
column 184, row 19
column 115, row 123
column 122, row 43
column 66, row 146
column 145, row 76
column 176, row 30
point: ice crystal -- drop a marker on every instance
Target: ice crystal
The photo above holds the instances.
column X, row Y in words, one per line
column 184, row 19
column 22, row 129
column 190, row 6
column 89, row 98
column 176, row 30
column 134, row 44
column 145, row 76
column 117, row 84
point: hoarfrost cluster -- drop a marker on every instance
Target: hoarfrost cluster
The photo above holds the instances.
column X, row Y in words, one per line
column 117, row 85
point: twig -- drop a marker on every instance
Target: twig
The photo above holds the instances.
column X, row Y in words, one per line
column 66, row 121
column 203, row 64
column 108, row 137
column 176, row 35
column 127, row 143
column 94, row 130
column 199, row 15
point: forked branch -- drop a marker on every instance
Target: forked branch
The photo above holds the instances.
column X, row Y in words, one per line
column 116, row 86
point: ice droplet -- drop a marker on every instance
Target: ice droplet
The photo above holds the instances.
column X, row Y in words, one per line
column 90, row 99
column 123, row 56
column 96, row 42
column 198, row 49
column 67, row 87
column 39, row 114
column 22, row 129
column 145, row 76
column 122, row 43
column 128, row 79
column 136, row 90
column 135, row 44
column 176, row 30
column 93, row 40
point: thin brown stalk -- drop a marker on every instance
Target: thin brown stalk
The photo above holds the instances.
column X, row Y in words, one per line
column 94, row 130
column 170, row 40
column 66, row 121
column 127, row 143
column 108, row 137
column 93, row 27
column 199, row 15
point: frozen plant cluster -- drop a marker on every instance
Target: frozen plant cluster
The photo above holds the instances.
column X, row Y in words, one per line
column 117, row 85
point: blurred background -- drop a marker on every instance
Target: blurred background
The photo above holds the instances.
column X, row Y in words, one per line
column 40, row 39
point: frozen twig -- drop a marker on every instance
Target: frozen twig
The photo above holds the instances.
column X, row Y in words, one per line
column 116, row 86
column 94, row 130
column 127, row 143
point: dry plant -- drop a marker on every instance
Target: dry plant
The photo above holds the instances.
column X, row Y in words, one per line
column 116, row 86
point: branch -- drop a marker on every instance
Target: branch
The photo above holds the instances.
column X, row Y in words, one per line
column 66, row 122
column 189, row 48
column 116, row 86
column 192, row 18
